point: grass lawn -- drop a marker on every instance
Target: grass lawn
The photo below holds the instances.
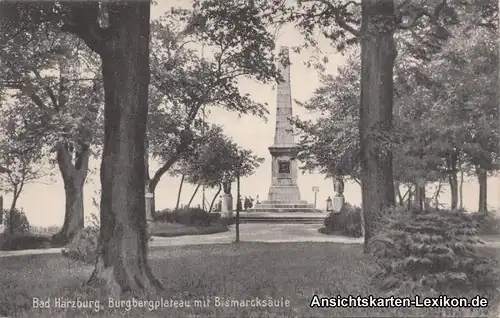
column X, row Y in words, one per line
column 166, row 229
column 38, row 240
column 335, row 232
column 293, row 272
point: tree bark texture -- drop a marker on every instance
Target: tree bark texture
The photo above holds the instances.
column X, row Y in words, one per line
column 18, row 188
column 482, row 178
column 73, row 176
column 179, row 193
column 451, row 163
column 194, row 194
column 461, row 191
column 122, row 253
column 215, row 198
column 377, row 59
column 419, row 197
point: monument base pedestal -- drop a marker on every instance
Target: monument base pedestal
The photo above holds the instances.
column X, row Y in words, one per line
column 283, row 206
column 288, row 194
column 226, row 206
column 338, row 203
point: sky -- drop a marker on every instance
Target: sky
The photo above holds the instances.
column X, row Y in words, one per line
column 44, row 203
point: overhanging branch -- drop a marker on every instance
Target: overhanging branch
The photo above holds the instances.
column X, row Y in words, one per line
column 419, row 14
column 48, row 89
column 337, row 12
column 84, row 22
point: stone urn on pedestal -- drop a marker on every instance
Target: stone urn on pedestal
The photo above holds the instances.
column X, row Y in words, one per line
column 227, row 199
column 338, row 199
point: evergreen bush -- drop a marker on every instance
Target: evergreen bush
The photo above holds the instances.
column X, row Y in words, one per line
column 346, row 222
column 434, row 250
column 488, row 222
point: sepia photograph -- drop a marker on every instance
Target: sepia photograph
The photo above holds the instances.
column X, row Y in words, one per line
column 249, row 158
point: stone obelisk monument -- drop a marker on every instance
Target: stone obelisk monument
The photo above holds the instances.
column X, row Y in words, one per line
column 284, row 194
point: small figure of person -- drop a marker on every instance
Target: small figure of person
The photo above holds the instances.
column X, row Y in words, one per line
column 257, row 199
column 246, row 203
column 250, row 203
column 329, row 205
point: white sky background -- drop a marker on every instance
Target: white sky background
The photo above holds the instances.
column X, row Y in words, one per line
column 44, row 204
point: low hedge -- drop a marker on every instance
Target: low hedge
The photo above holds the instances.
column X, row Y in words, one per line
column 193, row 230
column 24, row 242
column 187, row 216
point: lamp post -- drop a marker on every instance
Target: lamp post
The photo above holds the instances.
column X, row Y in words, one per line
column 238, row 198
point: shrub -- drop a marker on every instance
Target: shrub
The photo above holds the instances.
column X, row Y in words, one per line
column 20, row 223
column 45, row 231
column 192, row 216
column 83, row 246
column 347, row 222
column 163, row 215
column 192, row 230
column 23, row 242
column 431, row 250
column 488, row 222
column 226, row 221
column 187, row 216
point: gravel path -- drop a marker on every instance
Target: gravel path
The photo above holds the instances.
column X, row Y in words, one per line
column 252, row 232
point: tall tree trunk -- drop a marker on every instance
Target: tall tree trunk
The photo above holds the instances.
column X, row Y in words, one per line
column 215, row 198
column 1, row 209
column 179, row 193
column 122, row 250
column 452, row 180
column 398, row 193
column 147, row 181
column 416, row 198
column 194, row 194
column 423, row 196
column 73, row 160
column 461, row 191
column 186, row 137
column 378, row 52
column 482, row 178
column 452, row 161
column 419, row 196
column 410, row 197
column 403, row 198
column 73, row 176
column 437, row 194
column 18, row 188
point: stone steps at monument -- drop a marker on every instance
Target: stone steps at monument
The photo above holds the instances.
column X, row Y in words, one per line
column 283, row 206
column 281, row 220
column 284, row 217
column 283, row 210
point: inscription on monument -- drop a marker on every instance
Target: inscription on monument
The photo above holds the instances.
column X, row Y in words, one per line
column 283, row 166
